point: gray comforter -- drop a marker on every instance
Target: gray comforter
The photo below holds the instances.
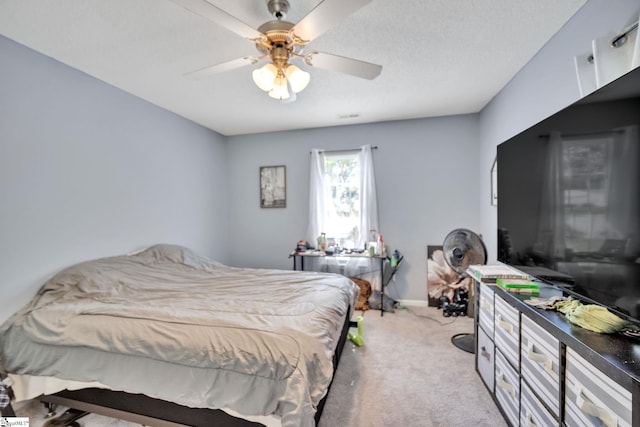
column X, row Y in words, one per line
column 172, row 325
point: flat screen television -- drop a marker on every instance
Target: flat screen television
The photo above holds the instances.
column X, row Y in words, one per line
column 569, row 197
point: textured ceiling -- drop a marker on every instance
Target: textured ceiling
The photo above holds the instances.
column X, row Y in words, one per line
column 439, row 57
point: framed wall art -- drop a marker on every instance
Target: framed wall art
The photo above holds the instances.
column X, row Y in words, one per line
column 434, row 269
column 273, row 187
column 494, row 183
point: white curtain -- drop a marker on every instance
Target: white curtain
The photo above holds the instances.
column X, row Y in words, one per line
column 612, row 62
column 368, row 198
column 551, row 224
column 318, row 194
column 586, row 71
column 605, row 63
column 624, row 191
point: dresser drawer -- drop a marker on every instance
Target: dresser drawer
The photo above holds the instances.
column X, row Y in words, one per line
column 507, row 330
column 593, row 399
column 507, row 389
column 540, row 362
column 485, row 312
column 532, row 412
column 486, row 359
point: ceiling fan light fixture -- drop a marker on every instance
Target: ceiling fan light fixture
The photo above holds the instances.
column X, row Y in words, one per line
column 279, row 90
column 297, row 78
column 282, row 41
column 265, row 76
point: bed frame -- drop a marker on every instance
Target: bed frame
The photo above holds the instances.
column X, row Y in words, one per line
column 145, row 410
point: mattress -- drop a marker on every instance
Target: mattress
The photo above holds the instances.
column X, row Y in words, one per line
column 172, row 325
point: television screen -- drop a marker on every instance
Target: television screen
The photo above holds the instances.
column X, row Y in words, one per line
column 569, row 198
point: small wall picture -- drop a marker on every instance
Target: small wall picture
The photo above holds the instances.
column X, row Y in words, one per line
column 273, row 187
column 494, row 183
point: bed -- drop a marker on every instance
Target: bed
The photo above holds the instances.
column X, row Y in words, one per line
column 169, row 328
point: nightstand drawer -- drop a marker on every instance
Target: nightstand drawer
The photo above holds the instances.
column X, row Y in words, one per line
column 507, row 330
column 540, row 362
column 592, row 398
column 507, row 388
column 532, row 411
column 486, row 359
column 485, row 314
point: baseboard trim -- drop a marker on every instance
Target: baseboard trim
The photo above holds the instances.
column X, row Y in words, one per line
column 414, row 302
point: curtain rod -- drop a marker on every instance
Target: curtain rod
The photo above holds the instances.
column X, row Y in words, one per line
column 375, row 147
column 582, row 134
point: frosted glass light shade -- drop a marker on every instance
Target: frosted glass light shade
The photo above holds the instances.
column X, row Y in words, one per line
column 279, row 90
column 298, row 79
column 264, row 77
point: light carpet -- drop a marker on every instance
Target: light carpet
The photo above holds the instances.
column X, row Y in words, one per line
column 407, row 373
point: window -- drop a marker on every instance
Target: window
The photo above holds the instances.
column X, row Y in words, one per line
column 342, row 212
column 586, row 183
column 586, row 199
column 342, row 197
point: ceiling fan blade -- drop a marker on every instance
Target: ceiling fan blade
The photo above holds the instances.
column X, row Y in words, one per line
column 327, row 61
column 222, row 67
column 220, row 17
column 325, row 15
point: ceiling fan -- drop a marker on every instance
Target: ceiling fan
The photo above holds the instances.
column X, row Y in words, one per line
column 283, row 41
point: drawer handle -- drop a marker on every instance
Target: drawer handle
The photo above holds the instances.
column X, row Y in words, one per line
column 542, row 359
column 505, row 325
column 588, row 407
column 530, row 421
column 507, row 387
column 484, row 353
column 485, row 305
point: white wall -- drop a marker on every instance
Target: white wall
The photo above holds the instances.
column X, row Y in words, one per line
column 544, row 86
column 426, row 176
column 87, row 171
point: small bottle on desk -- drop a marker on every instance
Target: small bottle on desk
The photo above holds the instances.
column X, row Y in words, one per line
column 322, row 242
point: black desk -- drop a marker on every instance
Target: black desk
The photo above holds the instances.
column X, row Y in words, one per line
column 315, row 254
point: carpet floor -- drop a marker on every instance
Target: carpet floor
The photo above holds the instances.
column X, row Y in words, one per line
column 408, row 373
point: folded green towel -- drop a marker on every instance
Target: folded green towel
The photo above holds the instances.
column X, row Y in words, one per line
column 593, row 317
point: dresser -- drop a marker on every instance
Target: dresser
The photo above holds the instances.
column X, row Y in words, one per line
column 544, row 371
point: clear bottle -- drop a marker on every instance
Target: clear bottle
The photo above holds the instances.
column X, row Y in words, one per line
column 373, row 242
column 322, row 242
